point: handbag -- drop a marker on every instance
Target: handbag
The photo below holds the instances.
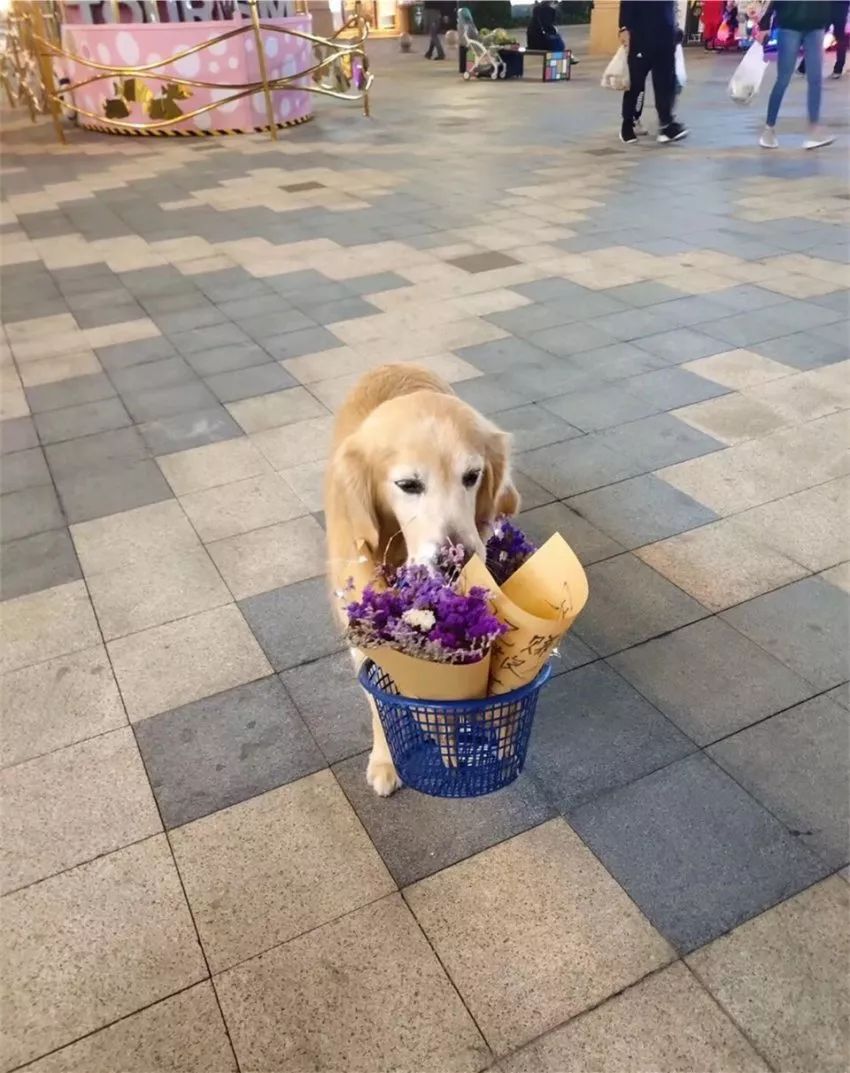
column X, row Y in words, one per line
column 747, row 79
column 616, row 74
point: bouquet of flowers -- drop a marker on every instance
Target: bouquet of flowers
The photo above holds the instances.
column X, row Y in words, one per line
column 507, row 549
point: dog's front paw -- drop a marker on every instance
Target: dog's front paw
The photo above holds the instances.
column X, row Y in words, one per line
column 382, row 776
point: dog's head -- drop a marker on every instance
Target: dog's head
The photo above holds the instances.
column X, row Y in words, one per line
column 423, row 469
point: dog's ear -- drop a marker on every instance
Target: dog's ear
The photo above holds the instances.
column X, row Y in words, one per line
column 351, row 477
column 496, row 493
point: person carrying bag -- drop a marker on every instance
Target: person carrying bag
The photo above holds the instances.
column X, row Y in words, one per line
column 648, row 33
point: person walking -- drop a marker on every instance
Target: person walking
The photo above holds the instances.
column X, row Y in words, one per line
column 799, row 23
column 648, row 32
column 838, row 20
column 433, row 12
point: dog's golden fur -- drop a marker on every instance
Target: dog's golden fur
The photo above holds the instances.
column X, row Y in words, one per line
column 402, row 424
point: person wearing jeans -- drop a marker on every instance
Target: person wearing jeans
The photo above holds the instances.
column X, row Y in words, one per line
column 799, row 23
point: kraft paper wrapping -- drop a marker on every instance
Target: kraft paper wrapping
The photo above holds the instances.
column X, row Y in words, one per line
column 539, row 602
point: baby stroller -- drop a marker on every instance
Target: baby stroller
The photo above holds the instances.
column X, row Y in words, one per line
column 486, row 61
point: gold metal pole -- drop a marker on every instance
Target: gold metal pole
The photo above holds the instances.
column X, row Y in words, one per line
column 45, row 64
column 261, row 60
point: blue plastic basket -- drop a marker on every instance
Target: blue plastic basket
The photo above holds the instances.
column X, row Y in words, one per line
column 460, row 748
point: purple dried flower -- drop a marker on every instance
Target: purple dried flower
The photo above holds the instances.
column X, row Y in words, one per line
column 507, row 549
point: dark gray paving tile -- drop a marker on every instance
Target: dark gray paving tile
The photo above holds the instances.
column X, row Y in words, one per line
column 681, row 345
column 744, row 329
column 294, row 624
column 667, row 389
column 570, row 339
column 225, row 359
column 839, row 301
column 194, row 429
column 581, row 303
column 374, row 284
column 841, row 694
column 631, row 324
column 648, row 293
column 804, row 350
column 748, row 297
column 31, row 510
column 571, row 653
column 296, row 281
column 185, row 320
column 576, row 466
column 589, row 544
column 274, row 325
column 319, row 295
column 342, row 309
column 531, row 494
column 97, row 316
column 600, row 408
column 489, row 394
column 127, row 355
column 533, row 426
column 102, row 450
column 88, row 494
column 168, row 401
column 255, row 306
column 245, row 383
column 487, row 261
column 224, row 749
column 202, row 339
column 797, row 764
column 23, row 469
column 332, row 704
column 71, row 392
column 296, row 344
column 17, row 434
column 525, row 320
column 37, row 562
column 439, row 832
column 83, row 420
column 505, row 355
column 611, row 363
column 806, row 625
column 155, row 374
column 593, row 732
column 693, row 311
column 710, row 680
column 656, row 441
column 630, row 603
column 641, row 510
column 695, row 851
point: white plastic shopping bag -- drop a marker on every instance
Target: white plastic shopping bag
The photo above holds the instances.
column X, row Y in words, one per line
column 681, row 73
column 745, row 82
column 616, row 74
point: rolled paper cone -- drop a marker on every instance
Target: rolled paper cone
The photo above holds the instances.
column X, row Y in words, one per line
column 425, row 680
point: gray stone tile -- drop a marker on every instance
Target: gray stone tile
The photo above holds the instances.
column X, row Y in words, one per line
column 641, row 510
column 505, row 355
column 487, row 261
column 608, row 364
column 571, row 653
column 83, row 420
column 332, row 704
column 804, row 350
column 109, row 313
column 71, row 392
column 341, row 309
column 525, row 320
column 375, row 284
column 37, row 562
column 29, row 511
column 274, row 325
column 744, row 329
column 100, row 451
column 693, row 311
column 695, row 851
column 657, row 441
column 581, row 302
column 589, row 544
column 797, row 764
column 272, row 616
column 126, row 355
column 296, row 344
column 199, row 315
column 593, row 732
column 710, row 680
column 440, row 832
column 571, row 339
column 629, row 603
column 841, row 695
column 23, row 469
column 255, row 305
column 576, row 466
column 179, row 433
column 17, row 434
column 245, row 383
column 225, row 359
column 198, row 340
column 489, row 394
column 168, row 401
column 667, row 389
column 681, row 345
column 648, row 293
column 296, row 281
column 806, row 625
column 631, row 324
column 600, row 408
column 169, row 372
column 532, row 426
column 749, row 297
column 224, row 749
column 110, row 489
column 531, row 494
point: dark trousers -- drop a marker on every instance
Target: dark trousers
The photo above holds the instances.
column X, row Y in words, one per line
column 433, row 24
column 838, row 17
column 658, row 60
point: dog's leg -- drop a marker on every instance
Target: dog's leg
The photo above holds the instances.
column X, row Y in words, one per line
column 380, row 771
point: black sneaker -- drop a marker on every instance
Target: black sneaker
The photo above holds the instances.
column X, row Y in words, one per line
column 627, row 133
column 673, row 132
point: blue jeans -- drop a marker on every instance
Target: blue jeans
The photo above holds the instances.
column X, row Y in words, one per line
column 788, row 48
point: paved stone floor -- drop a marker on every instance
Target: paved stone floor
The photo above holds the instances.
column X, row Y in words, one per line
column 196, row 876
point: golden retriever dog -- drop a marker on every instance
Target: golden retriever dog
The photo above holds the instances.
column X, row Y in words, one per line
column 412, row 466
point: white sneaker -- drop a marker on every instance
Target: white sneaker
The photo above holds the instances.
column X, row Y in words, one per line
column 817, row 143
column 768, row 139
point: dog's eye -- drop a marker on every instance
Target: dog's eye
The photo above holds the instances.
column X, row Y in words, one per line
column 411, row 486
column 470, row 478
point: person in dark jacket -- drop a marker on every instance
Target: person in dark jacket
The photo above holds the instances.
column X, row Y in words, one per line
column 542, row 33
column 434, row 11
column 799, row 23
column 838, row 21
column 648, row 31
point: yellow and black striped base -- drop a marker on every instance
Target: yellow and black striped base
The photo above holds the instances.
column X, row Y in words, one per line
column 168, row 132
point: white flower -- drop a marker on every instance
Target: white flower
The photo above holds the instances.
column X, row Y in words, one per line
column 420, row 618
